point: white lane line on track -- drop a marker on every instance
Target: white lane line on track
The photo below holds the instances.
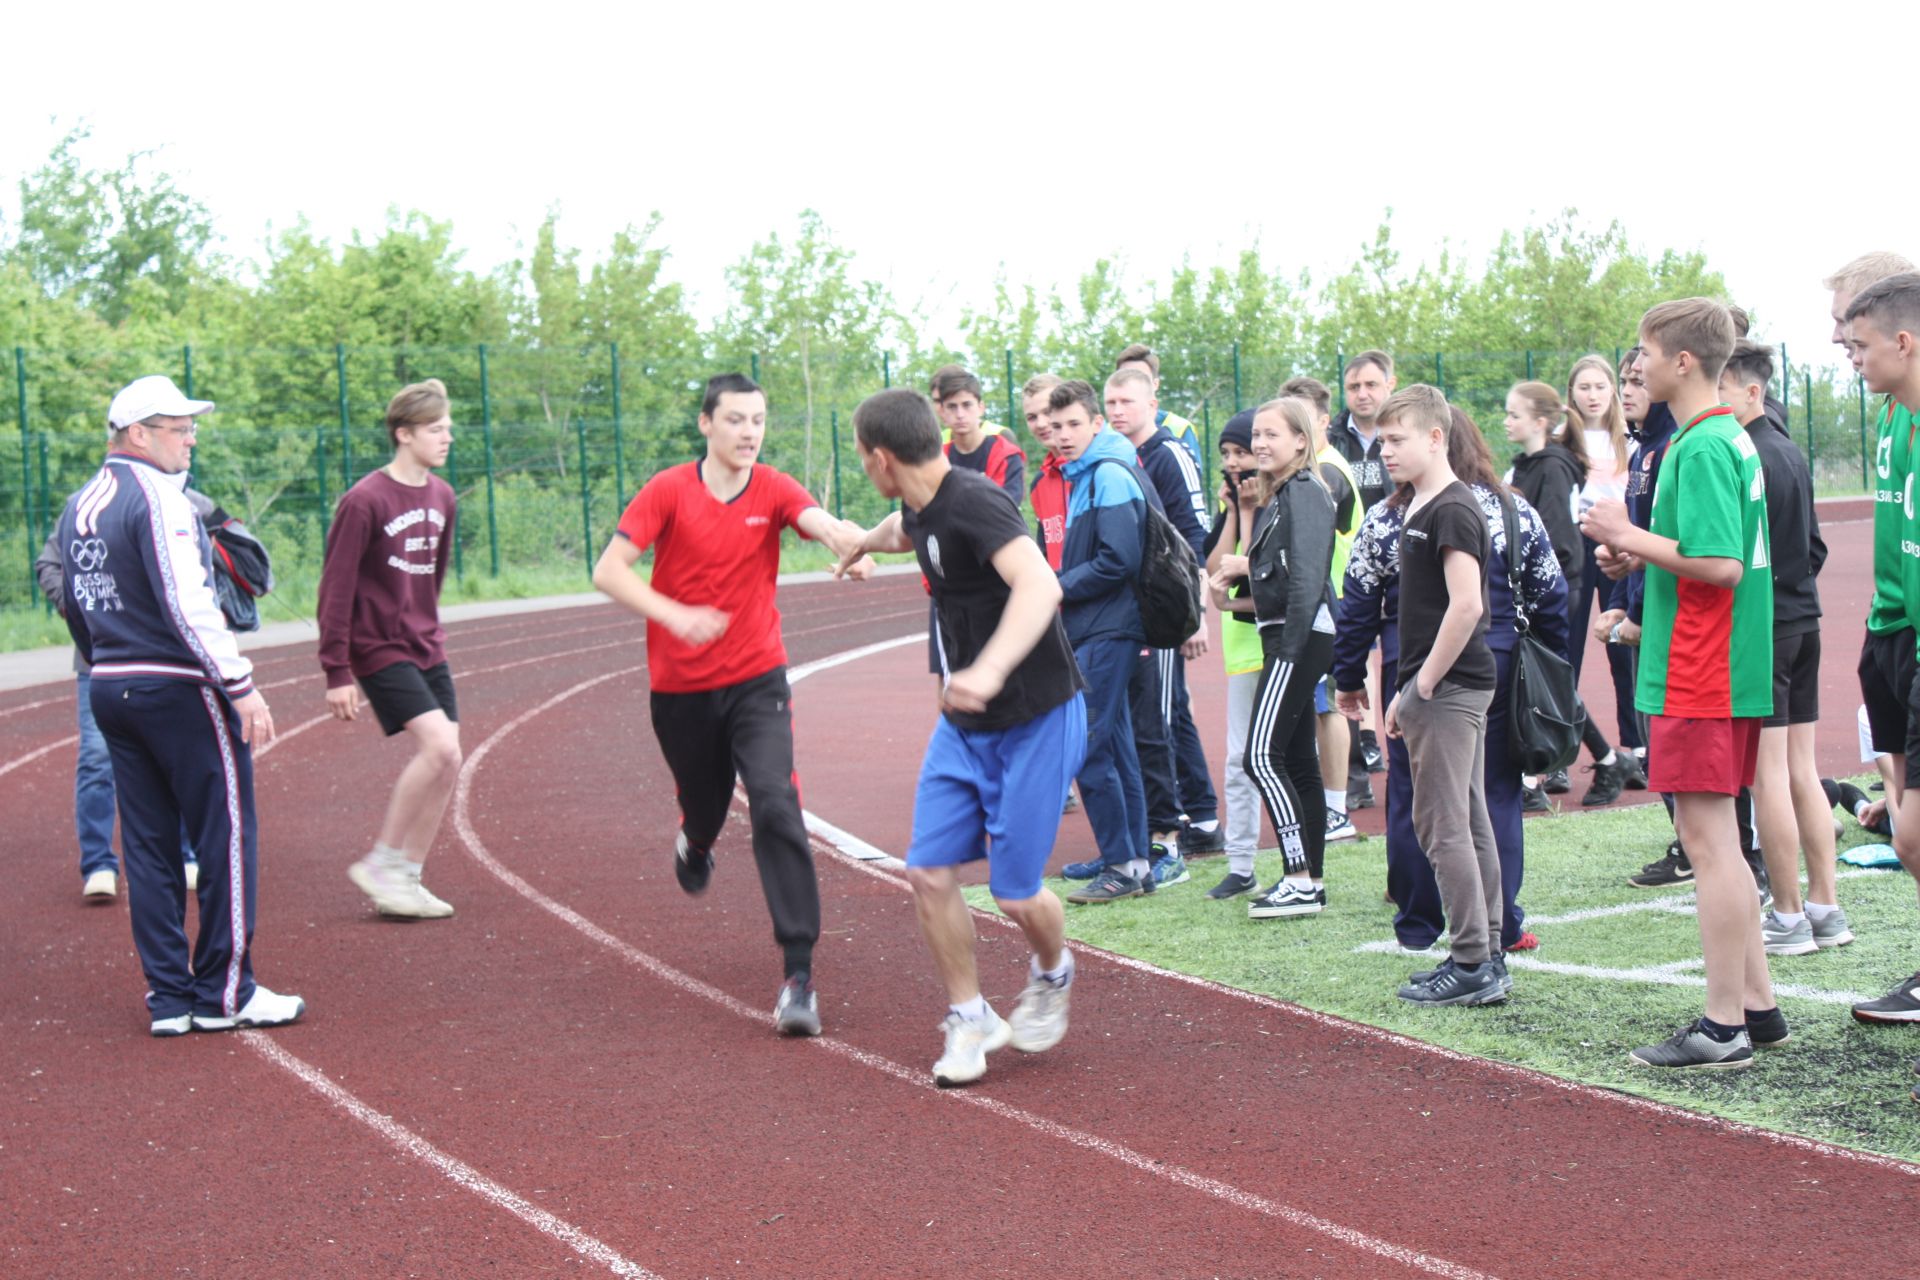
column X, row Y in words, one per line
column 458, row 1171
column 859, row 861
column 29, row 706
column 37, row 752
column 918, row 1079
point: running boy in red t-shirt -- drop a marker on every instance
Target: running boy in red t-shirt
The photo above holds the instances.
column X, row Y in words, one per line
column 720, row 701
column 1706, row 663
column 379, row 614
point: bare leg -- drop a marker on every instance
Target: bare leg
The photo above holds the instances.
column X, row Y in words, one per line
column 1815, row 816
column 1773, row 815
column 1043, row 921
column 1737, row 978
column 1332, row 733
column 420, row 795
column 948, row 929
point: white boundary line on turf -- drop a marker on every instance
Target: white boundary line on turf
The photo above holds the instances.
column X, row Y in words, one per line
column 1529, row 1074
column 1357, row 1240
column 459, row 1171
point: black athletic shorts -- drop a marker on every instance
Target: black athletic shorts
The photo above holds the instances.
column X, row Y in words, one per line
column 402, row 691
column 1886, row 682
column 1796, row 680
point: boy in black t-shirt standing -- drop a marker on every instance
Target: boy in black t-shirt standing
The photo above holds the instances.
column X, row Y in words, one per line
column 1012, row 733
column 1446, row 685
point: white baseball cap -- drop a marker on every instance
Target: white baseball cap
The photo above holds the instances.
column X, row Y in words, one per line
column 147, row 397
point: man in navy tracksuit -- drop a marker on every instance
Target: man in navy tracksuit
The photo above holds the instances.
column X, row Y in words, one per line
column 1184, row 785
column 175, row 700
column 1099, row 562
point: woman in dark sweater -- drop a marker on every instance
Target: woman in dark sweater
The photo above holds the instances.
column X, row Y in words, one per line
column 1549, row 472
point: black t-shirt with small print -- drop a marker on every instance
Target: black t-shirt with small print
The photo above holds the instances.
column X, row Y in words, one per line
column 955, row 536
column 1450, row 519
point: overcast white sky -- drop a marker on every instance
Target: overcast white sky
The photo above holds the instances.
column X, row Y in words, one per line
column 941, row 142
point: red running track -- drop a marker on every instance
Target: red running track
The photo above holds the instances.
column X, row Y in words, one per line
column 576, row 1075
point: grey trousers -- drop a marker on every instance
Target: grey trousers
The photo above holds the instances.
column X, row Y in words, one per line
column 1446, row 737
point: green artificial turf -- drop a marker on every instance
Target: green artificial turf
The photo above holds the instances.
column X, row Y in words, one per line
column 1838, row 1080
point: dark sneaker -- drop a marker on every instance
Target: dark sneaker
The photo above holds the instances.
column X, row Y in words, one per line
column 1420, row 977
column 1194, row 841
column 1500, row 967
column 1340, row 827
column 1082, row 870
column 1557, row 783
column 1607, row 781
column 1633, row 771
column 1452, row 984
column 1902, row 1004
column 1534, row 800
column 1232, row 886
column 1768, row 1030
column 1761, row 882
column 1170, row 869
column 1285, row 900
column 1691, row 1047
column 1673, row 869
column 691, row 867
column 797, row 1011
column 1370, row 752
column 1359, row 794
column 1111, row 885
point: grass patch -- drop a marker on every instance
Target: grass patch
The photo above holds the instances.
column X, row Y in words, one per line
column 1838, row 1080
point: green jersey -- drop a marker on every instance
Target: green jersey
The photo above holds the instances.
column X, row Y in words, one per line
column 1892, row 500
column 1706, row 652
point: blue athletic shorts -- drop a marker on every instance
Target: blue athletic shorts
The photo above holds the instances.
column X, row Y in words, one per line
column 1002, row 786
column 1322, row 697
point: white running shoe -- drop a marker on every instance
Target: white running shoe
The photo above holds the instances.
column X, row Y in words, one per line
column 1040, row 1019
column 178, row 1025
column 101, row 886
column 265, row 1009
column 969, row 1041
column 394, row 886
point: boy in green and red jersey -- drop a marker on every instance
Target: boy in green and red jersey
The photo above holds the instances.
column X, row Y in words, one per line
column 1883, row 338
column 1706, row 663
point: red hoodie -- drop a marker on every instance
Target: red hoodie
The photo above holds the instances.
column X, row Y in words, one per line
column 1050, row 491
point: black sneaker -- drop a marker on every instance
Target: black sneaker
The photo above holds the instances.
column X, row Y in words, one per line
column 692, row 867
column 1672, row 869
column 1902, row 1004
column 1767, row 1030
column 1420, row 977
column 1534, row 800
column 1557, row 783
column 1499, row 963
column 1195, row 841
column 797, row 1011
column 1452, row 984
column 1359, row 793
column 1370, row 752
column 1607, row 781
column 1761, row 881
column 1691, row 1047
column 1633, row 770
column 1111, row 885
column 1232, row 886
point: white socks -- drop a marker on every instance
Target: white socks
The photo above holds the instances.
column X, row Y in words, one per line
column 1336, row 799
column 973, row 1010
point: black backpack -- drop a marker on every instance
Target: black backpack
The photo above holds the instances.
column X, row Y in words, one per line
column 1544, row 712
column 1168, row 585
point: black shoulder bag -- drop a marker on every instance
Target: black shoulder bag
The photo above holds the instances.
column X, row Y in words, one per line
column 1544, row 712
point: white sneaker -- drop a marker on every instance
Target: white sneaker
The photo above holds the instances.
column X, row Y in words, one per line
column 178, row 1025
column 101, row 886
column 969, row 1041
column 193, row 876
column 1040, row 1019
column 394, row 886
column 265, row 1009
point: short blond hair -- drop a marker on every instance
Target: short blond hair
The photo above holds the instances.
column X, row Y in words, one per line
column 1039, row 384
column 1699, row 326
column 1868, row 268
column 1306, row 387
column 1423, row 407
column 1121, row 377
column 416, row 405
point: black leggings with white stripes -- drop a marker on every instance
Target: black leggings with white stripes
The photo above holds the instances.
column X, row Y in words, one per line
column 1282, row 757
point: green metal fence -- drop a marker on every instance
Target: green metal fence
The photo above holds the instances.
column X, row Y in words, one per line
column 551, row 444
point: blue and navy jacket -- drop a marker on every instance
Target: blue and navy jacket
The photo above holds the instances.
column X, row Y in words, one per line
column 1106, row 516
column 1176, row 478
column 139, row 579
column 1643, row 473
column 1370, row 605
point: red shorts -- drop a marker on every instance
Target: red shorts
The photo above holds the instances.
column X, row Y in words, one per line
column 1701, row 755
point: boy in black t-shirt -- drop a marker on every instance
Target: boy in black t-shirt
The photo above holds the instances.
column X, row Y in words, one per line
column 1012, row 733
column 1446, row 685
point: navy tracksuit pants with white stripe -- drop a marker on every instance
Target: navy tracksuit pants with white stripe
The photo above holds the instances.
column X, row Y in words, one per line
column 1283, row 758
column 179, row 765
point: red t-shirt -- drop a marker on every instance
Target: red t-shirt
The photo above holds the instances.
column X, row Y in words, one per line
column 724, row 555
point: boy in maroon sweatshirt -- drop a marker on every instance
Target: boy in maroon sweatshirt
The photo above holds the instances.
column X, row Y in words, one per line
column 380, row 624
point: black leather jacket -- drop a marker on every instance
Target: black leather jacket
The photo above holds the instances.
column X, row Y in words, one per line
column 1291, row 561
